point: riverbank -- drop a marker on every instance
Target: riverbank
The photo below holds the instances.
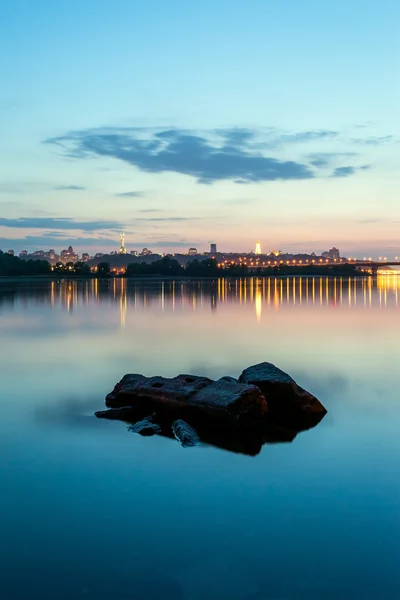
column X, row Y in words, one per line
column 46, row 278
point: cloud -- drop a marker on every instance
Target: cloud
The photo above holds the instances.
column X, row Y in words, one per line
column 166, row 244
column 343, row 171
column 150, row 210
column 49, row 241
column 131, row 194
column 171, row 219
column 57, row 223
column 374, row 141
column 215, row 156
column 322, row 159
column 69, row 187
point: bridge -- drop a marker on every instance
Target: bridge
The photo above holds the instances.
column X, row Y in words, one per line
column 369, row 265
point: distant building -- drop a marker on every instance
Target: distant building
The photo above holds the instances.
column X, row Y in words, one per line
column 51, row 254
column 23, row 253
column 85, row 257
column 11, row 252
column 99, row 255
column 258, row 248
column 213, row 248
column 277, row 252
column 192, row 251
column 332, row 253
column 68, row 255
column 145, row 252
column 134, row 252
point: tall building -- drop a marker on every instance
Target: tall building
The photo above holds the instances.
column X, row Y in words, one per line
column 122, row 249
column 213, row 248
column 258, row 248
column 68, row 255
column 332, row 253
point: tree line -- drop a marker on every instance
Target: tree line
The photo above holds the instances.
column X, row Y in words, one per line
column 12, row 265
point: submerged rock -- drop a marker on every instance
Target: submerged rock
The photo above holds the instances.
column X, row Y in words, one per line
column 283, row 395
column 240, row 403
column 185, row 433
column 145, row 427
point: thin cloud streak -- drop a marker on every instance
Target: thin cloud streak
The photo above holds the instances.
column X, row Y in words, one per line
column 57, row 223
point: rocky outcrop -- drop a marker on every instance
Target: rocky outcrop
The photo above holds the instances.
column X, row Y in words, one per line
column 264, row 406
column 284, row 397
column 240, row 403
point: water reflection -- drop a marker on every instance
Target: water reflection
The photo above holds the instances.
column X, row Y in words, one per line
column 262, row 293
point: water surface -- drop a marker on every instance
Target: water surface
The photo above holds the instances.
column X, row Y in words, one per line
column 89, row 510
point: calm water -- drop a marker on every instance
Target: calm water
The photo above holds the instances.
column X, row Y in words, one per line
column 89, row 510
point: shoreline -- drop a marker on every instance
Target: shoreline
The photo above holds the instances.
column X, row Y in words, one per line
column 38, row 278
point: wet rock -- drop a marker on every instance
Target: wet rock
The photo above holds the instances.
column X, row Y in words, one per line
column 283, row 395
column 145, row 427
column 240, row 403
column 185, row 433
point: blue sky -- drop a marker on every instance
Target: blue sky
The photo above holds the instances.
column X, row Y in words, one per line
column 185, row 123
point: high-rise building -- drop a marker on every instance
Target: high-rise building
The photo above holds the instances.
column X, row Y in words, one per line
column 258, row 248
column 332, row 253
column 213, row 248
column 68, row 255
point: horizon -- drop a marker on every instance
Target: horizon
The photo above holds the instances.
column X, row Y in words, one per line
column 140, row 133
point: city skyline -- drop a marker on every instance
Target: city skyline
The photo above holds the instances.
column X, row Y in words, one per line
column 141, row 134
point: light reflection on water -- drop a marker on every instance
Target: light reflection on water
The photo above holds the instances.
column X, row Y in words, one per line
column 263, row 293
column 87, row 508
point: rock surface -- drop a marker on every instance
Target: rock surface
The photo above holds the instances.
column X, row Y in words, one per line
column 240, row 403
column 284, row 397
column 145, row 427
column 185, row 433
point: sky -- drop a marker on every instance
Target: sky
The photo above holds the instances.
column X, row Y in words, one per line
column 184, row 123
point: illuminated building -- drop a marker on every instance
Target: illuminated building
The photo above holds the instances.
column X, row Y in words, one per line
column 213, row 248
column 11, row 252
column 258, row 248
column 85, row 256
column 145, row 252
column 332, row 253
column 134, row 252
column 192, row 251
column 68, row 255
column 122, row 249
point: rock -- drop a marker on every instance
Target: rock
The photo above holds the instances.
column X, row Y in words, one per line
column 145, row 427
column 228, row 378
column 239, row 403
column 283, row 395
column 185, row 433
